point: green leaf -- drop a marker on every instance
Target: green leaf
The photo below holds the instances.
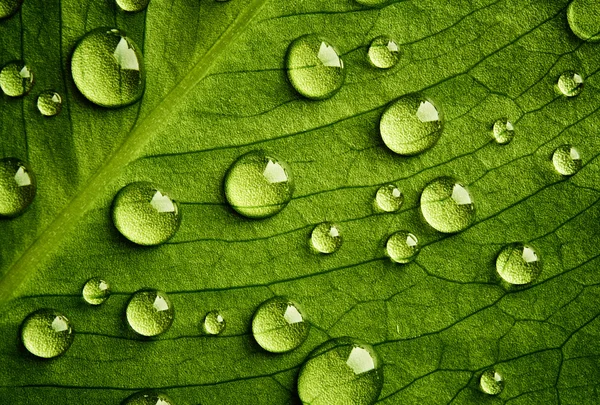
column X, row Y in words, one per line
column 216, row 89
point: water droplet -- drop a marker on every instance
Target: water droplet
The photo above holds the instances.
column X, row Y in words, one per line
column 148, row 398
column 49, row 103
column 16, row 79
column 9, row 7
column 567, row 160
column 17, row 187
column 402, row 247
column 373, row 3
column 96, row 291
column 326, row 238
column 214, row 323
column 491, row 382
column 108, row 68
column 279, row 325
column 132, row 6
column 389, row 198
column 503, row 131
column 518, row 264
column 383, row 52
column 570, row 84
column 339, row 372
column 258, row 185
column 411, row 124
column 145, row 214
column 447, row 205
column 46, row 333
column 314, row 67
column 583, row 19
column 150, row 312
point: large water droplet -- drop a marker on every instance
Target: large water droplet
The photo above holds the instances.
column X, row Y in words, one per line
column 383, row 52
column 340, row 372
column 16, row 79
column 108, row 68
column 491, row 382
column 567, row 160
column 326, row 238
column 49, row 103
column 584, row 19
column 411, row 124
column 96, row 291
column 503, row 131
column 132, row 6
column 389, row 198
column 214, row 323
column 314, row 67
column 279, row 325
column 46, row 333
column 9, row 7
column 148, row 398
column 258, row 185
column 402, row 247
column 518, row 264
column 17, row 187
column 150, row 312
column 570, row 83
column 447, row 205
column 145, row 214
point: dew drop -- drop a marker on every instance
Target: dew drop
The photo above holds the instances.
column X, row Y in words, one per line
column 326, row 238
column 132, row 6
column 108, row 68
column 16, row 79
column 9, row 7
column 567, row 160
column 570, row 83
column 339, row 372
column 150, row 312
column 447, row 205
column 389, row 198
column 402, row 247
column 17, row 187
column 279, row 325
column 491, row 382
column 214, row 323
column 411, row 124
column 49, row 103
column 518, row 264
column 46, row 333
column 314, row 67
column 258, row 185
column 96, row 291
column 584, row 19
column 145, row 214
column 383, row 52
column 148, row 398
column 373, row 3
column 503, row 131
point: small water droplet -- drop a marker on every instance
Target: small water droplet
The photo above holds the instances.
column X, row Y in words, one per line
column 314, row 67
column 326, row 238
column 447, row 205
column 583, row 19
column 402, row 247
column 518, row 264
column 214, row 323
column 567, row 160
column 108, row 68
column 570, row 83
column 411, row 124
column 17, row 187
column 96, row 291
column 132, row 6
column 148, row 398
column 150, row 312
column 389, row 198
column 46, row 333
column 258, row 185
column 340, row 372
column 16, row 79
column 383, row 52
column 503, row 131
column 9, row 7
column 373, row 3
column 279, row 325
column 491, row 382
column 145, row 214
column 49, row 103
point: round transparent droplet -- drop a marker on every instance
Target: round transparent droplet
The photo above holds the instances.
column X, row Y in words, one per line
column 279, row 325
column 570, row 83
column 96, row 291
column 214, row 323
column 566, row 160
column 259, row 185
column 326, row 238
column 132, row 6
column 9, row 7
column 389, row 198
column 447, row 205
column 503, row 131
column 150, row 312
column 46, row 333
column 148, row 398
column 411, row 125
column 16, row 79
column 145, row 214
column 108, row 68
column 584, row 19
column 383, row 52
column 314, row 67
column 49, row 103
column 373, row 3
column 402, row 247
column 491, row 382
column 17, row 187
column 518, row 264
column 340, row 372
